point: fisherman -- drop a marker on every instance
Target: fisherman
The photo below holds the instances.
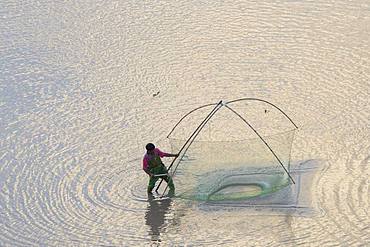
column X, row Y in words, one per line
column 154, row 167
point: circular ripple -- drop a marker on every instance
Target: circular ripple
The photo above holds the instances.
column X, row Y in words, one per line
column 86, row 85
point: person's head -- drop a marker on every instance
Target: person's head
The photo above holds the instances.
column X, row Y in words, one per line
column 150, row 148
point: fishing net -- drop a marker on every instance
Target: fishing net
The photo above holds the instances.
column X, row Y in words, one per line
column 238, row 153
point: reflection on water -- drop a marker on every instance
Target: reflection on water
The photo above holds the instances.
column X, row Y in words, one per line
column 155, row 216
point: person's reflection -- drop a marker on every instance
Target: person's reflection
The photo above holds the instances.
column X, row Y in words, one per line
column 155, row 215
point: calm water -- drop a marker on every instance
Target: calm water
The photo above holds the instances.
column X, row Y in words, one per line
column 85, row 85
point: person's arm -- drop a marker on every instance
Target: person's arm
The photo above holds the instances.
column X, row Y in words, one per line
column 163, row 154
column 172, row 155
column 146, row 167
column 148, row 172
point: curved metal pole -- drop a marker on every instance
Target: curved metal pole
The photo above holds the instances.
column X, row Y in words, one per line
column 255, row 131
column 265, row 101
column 196, row 131
column 189, row 114
column 230, row 102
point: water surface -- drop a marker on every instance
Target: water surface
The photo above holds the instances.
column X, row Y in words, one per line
column 84, row 86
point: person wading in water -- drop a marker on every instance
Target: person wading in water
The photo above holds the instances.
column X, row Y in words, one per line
column 154, row 167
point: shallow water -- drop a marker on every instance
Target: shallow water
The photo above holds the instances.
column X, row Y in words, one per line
column 84, row 86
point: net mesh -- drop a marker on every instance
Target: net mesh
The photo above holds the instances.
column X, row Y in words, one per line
column 227, row 160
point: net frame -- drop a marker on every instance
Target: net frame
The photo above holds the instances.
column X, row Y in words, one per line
column 217, row 107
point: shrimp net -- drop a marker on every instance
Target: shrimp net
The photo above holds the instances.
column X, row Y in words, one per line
column 239, row 153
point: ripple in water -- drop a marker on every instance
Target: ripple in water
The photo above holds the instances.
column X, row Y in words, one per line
column 77, row 101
